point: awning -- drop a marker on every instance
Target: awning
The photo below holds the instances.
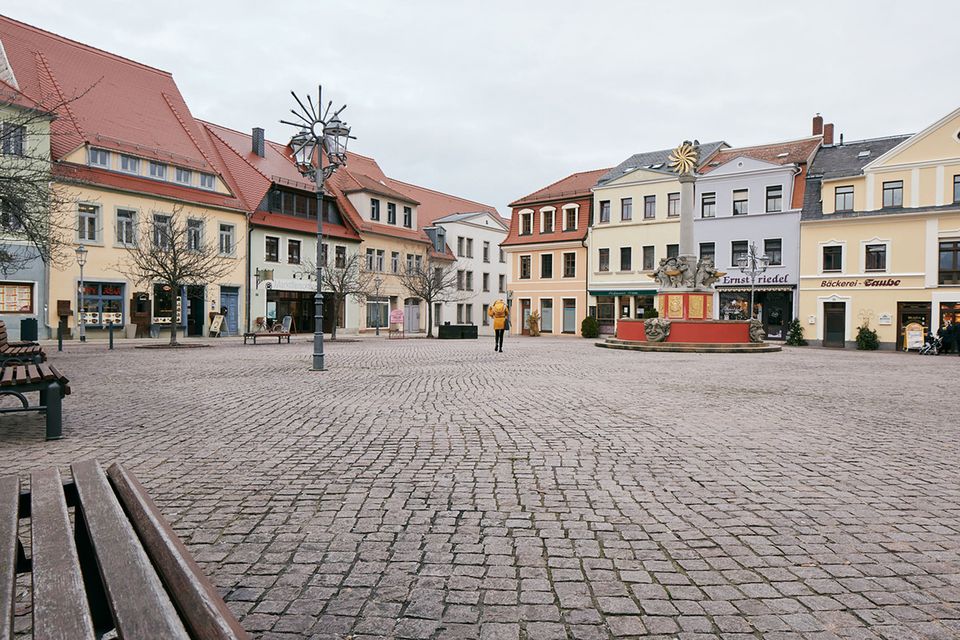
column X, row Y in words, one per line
column 759, row 287
column 628, row 292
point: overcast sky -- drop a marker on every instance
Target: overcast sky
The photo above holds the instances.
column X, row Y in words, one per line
column 492, row 100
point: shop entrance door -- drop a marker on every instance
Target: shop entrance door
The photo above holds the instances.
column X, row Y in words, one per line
column 524, row 317
column 230, row 300
column 606, row 313
column 908, row 312
column 776, row 313
column 834, row 324
column 411, row 315
column 569, row 315
column 195, row 300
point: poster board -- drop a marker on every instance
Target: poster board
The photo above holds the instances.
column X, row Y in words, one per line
column 913, row 336
column 396, row 316
column 216, row 325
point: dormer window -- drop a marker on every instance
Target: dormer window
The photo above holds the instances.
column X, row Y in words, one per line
column 158, row 170
column 129, row 164
column 391, row 213
column 184, row 176
column 208, row 181
column 99, row 158
column 526, row 224
column 374, row 209
column 408, row 217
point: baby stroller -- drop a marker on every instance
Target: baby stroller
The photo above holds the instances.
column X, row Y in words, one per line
column 931, row 346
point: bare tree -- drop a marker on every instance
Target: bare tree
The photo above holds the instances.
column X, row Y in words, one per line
column 433, row 280
column 342, row 280
column 176, row 252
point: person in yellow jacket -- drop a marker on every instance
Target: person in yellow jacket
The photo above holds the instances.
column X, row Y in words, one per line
column 500, row 314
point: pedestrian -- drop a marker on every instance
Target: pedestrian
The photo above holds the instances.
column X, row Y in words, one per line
column 948, row 335
column 500, row 314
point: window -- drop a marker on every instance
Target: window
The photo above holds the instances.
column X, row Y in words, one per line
column 626, row 258
column 956, row 188
column 391, row 213
column 740, row 200
column 673, row 250
column 468, row 314
column 408, row 217
column 546, row 315
column 184, row 176
column 773, row 249
column 604, row 211
column 99, row 158
column 381, row 254
column 272, row 249
column 12, row 139
column 708, row 250
column 460, row 279
column 843, row 199
column 102, row 303
column 410, row 262
column 194, row 235
column 547, row 221
column 673, row 205
column 502, row 283
column 503, row 256
column 875, row 258
column 9, row 219
column 738, row 249
column 340, row 257
column 125, row 222
column 570, row 219
column 16, row 298
column 486, row 282
column 469, row 247
column 893, row 193
column 708, row 205
column 460, row 246
column 378, row 313
column 525, row 267
column 370, row 257
column 208, row 181
column 486, row 251
column 161, row 231
column 649, row 207
column 648, row 258
column 227, row 239
column 469, row 280
column 526, row 224
column 293, row 252
column 374, row 209
column 418, row 262
column 87, row 227
column 546, row 265
column 626, row 208
column 774, row 199
column 158, row 170
column 950, row 262
column 483, row 314
column 395, row 261
column 569, row 265
column 603, row 260
column 460, row 313
column 130, row 164
column 833, row 258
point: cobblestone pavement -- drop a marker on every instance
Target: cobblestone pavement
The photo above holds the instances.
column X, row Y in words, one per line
column 426, row 489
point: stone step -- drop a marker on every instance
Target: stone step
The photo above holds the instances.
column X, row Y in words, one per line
column 689, row 344
column 682, row 347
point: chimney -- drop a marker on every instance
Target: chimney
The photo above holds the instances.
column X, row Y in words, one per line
column 259, row 146
column 828, row 134
column 817, row 125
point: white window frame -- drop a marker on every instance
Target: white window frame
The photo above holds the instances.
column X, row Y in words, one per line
column 208, row 177
column 520, row 266
column 133, row 224
column 765, row 249
column 576, row 216
column 202, row 226
column 522, row 214
column 233, row 238
column 863, row 254
column 553, row 308
column 279, row 244
column 843, row 257
column 543, row 216
column 92, row 151
column 160, row 166
column 180, row 171
column 136, row 164
column 13, row 144
column 97, row 226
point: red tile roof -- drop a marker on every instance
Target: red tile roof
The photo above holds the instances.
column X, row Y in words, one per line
column 360, row 182
column 436, row 204
column 574, row 185
column 797, row 152
column 11, row 95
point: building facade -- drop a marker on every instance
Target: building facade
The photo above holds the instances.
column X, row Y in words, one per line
column 546, row 254
column 880, row 235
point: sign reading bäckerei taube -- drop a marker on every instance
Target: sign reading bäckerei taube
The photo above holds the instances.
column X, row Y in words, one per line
column 865, row 282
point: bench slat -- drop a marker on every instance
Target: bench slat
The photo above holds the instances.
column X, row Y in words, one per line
column 8, row 373
column 56, row 372
column 59, row 601
column 204, row 611
column 141, row 608
column 33, row 374
column 9, row 504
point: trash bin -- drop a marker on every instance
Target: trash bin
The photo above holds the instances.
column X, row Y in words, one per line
column 28, row 329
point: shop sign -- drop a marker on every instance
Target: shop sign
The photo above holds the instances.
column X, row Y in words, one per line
column 764, row 278
column 866, row 282
column 913, row 334
column 396, row 316
column 291, row 284
column 885, row 318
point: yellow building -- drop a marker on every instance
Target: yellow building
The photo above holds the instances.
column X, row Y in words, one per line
column 880, row 236
column 636, row 223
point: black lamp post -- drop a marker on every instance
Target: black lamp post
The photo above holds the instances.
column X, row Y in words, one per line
column 377, row 283
column 319, row 148
column 81, row 252
column 752, row 265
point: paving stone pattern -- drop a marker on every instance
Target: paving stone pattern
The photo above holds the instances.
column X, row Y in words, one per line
column 428, row 489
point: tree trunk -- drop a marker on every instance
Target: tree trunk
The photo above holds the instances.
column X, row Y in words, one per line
column 336, row 314
column 429, row 319
column 174, row 320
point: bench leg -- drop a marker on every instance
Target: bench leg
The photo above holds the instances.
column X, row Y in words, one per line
column 43, row 399
column 54, row 412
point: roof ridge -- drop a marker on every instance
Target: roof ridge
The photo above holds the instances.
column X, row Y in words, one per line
column 566, row 177
column 442, row 193
column 237, row 131
column 82, row 45
column 769, row 144
column 186, row 130
column 42, row 60
column 848, row 142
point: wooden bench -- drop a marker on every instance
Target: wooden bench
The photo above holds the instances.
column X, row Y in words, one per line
column 52, row 386
column 120, row 566
column 266, row 334
column 18, row 351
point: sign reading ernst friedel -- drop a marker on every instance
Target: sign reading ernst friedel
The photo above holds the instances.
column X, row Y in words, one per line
column 866, row 282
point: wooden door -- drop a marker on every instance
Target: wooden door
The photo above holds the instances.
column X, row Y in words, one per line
column 834, row 324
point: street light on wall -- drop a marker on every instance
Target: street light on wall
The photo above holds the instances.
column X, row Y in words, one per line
column 81, row 252
column 318, row 148
column 753, row 264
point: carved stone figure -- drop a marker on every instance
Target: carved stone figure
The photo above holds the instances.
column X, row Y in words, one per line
column 707, row 274
column 687, row 273
column 663, row 273
column 657, row 329
column 757, row 332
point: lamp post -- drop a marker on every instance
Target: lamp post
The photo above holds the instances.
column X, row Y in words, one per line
column 752, row 265
column 81, row 252
column 377, row 283
column 319, row 148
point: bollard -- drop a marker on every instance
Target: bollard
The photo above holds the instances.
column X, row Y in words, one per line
column 59, row 338
column 110, row 334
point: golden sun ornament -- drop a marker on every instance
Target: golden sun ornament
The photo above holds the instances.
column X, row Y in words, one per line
column 684, row 158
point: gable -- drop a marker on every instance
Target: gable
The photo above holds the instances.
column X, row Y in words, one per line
column 940, row 141
column 638, row 175
column 742, row 164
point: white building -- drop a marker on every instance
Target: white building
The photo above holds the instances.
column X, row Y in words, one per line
column 481, row 267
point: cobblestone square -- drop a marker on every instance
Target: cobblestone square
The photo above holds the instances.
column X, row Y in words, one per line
column 436, row 489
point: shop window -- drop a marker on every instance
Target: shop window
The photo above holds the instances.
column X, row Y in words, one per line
column 626, row 258
column 546, row 315
column 604, row 211
column 833, row 258
column 893, row 193
column 378, row 313
column 293, row 252
column 649, row 207
column 708, row 250
column 708, row 205
column 950, row 262
column 604, row 260
column 843, row 199
column 773, row 249
column 738, row 249
column 16, row 298
column 102, row 304
column 649, row 255
column 546, row 265
column 569, row 265
column 673, row 205
column 606, row 310
column 626, row 208
column 875, row 258
column 740, row 202
column 774, row 199
column 643, row 306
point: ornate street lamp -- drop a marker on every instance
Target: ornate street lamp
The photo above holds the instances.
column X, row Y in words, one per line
column 81, row 252
column 319, row 148
column 751, row 264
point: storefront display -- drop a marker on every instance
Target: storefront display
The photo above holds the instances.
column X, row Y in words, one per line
column 774, row 307
column 16, row 298
column 101, row 304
